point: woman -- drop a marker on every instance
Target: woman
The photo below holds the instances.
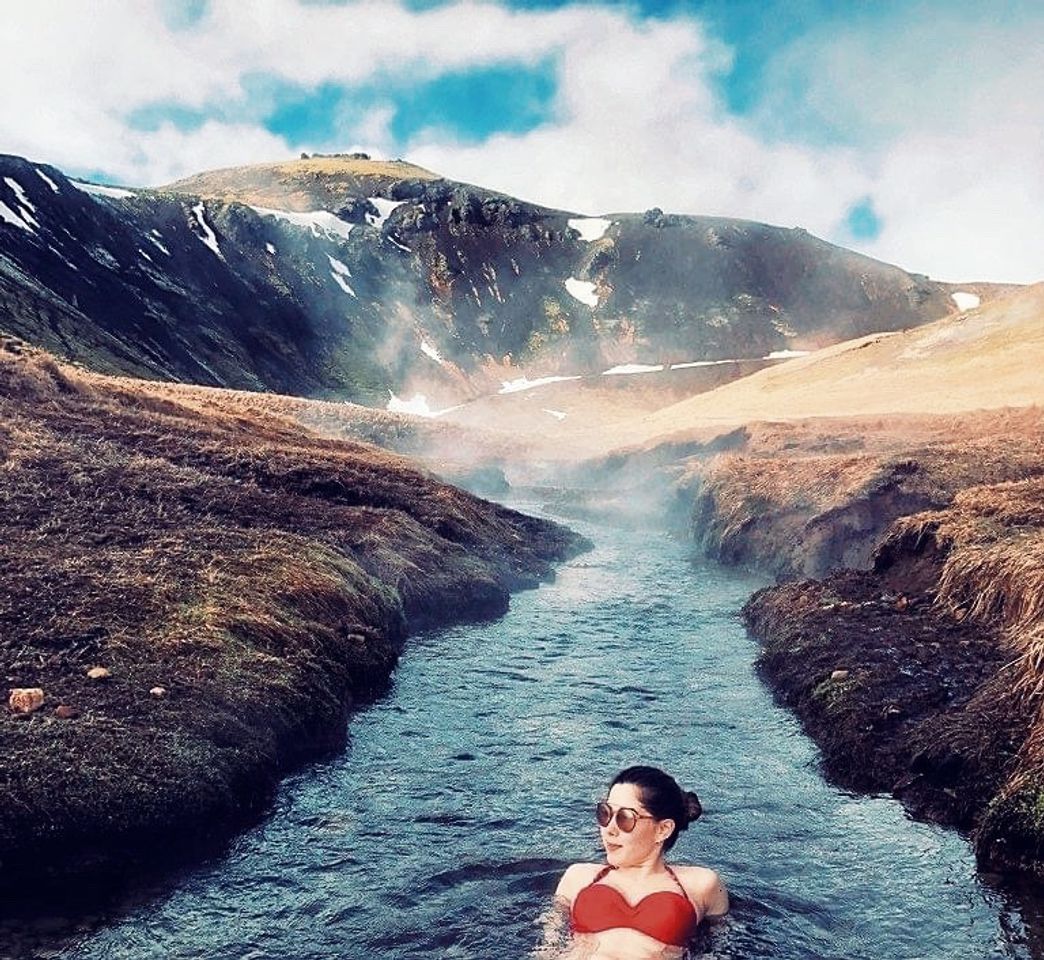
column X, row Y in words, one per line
column 634, row 906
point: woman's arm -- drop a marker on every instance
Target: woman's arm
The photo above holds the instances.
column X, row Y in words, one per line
column 715, row 897
column 554, row 937
column 556, row 932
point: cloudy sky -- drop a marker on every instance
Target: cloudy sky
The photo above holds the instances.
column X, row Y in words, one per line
column 911, row 131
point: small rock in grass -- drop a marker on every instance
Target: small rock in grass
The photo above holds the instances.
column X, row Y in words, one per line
column 99, row 673
column 902, row 603
column 64, row 712
column 25, row 699
column 158, row 691
column 839, row 675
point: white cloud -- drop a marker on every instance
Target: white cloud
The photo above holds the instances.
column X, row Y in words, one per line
column 943, row 113
column 942, row 105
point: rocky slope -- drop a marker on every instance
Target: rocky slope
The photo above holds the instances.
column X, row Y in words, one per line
column 191, row 601
column 345, row 276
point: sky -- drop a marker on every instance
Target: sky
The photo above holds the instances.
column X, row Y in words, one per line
column 909, row 131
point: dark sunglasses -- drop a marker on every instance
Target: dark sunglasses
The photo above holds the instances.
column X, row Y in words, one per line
column 626, row 817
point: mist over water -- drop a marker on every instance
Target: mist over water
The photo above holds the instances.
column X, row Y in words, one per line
column 470, row 785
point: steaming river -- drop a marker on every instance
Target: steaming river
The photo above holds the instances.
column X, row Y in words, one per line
column 470, row 785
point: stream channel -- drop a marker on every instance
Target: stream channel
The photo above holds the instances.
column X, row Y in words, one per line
column 469, row 786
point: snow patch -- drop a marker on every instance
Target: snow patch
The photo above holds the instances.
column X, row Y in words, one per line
column 590, row 228
column 320, row 222
column 625, row 368
column 209, row 237
column 786, row 354
column 418, row 406
column 46, row 179
column 384, row 210
column 429, row 351
column 7, row 215
column 524, row 383
column 97, row 190
column 700, row 363
column 64, row 259
column 965, row 300
column 105, row 257
column 270, row 248
column 401, row 246
column 23, row 200
column 339, row 271
column 582, row 290
column 154, row 236
column 557, row 414
column 142, row 253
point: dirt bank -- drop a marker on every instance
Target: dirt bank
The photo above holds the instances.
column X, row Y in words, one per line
column 240, row 581
column 919, row 672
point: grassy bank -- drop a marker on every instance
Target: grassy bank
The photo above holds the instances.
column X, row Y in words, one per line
column 242, row 583
column 916, row 660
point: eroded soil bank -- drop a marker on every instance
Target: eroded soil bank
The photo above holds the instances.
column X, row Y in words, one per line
column 201, row 597
column 916, row 660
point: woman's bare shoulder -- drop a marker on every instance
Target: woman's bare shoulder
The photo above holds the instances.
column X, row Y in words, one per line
column 576, row 877
column 705, row 887
column 697, row 875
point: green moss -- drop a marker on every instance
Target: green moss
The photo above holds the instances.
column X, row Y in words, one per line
column 833, row 695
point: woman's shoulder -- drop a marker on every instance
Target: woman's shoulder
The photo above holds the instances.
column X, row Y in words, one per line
column 705, row 887
column 697, row 875
column 576, row 877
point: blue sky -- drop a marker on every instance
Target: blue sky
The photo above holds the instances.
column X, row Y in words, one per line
column 910, row 130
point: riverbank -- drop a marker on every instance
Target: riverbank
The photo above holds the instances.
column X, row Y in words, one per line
column 192, row 602
column 916, row 659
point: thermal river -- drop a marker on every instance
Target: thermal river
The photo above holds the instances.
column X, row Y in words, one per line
column 469, row 786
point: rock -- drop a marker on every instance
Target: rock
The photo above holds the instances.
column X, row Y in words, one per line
column 839, row 675
column 65, row 712
column 99, row 673
column 25, row 699
column 356, row 209
column 158, row 691
column 902, row 603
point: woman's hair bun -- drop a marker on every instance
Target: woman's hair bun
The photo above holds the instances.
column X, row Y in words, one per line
column 693, row 807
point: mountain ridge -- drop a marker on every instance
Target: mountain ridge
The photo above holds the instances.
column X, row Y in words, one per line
column 424, row 285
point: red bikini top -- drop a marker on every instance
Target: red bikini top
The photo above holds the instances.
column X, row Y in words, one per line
column 664, row 915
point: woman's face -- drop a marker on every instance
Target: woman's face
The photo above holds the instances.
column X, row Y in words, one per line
column 645, row 842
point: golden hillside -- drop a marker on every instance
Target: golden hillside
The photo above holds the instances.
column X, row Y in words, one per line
column 987, row 358
column 318, row 182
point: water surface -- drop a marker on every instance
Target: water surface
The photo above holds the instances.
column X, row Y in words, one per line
column 469, row 787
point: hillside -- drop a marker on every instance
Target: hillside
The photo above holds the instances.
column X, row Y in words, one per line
column 984, row 358
column 350, row 278
column 242, row 582
column 313, row 183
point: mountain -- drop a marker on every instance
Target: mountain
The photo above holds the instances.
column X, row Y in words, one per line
column 347, row 277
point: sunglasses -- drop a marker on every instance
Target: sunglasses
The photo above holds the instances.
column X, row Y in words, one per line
column 626, row 817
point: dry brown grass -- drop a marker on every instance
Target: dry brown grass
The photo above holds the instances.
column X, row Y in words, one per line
column 810, row 496
column 991, row 541
column 262, row 575
column 950, row 513
column 986, row 359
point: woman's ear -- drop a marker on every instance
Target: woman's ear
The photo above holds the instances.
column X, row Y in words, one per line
column 664, row 828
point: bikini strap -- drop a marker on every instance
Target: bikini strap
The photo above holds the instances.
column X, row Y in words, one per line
column 601, row 873
column 685, row 893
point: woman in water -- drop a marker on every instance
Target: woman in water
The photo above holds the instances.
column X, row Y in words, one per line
column 634, row 906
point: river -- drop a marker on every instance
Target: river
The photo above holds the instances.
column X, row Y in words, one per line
column 470, row 785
